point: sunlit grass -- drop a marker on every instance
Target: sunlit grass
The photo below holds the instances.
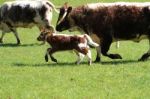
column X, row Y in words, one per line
column 24, row 74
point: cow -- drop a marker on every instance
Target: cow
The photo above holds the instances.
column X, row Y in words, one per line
column 62, row 42
column 107, row 23
column 26, row 14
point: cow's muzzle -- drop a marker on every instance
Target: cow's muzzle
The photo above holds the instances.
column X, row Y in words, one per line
column 39, row 39
column 58, row 29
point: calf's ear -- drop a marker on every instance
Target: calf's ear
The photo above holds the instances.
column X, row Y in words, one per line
column 65, row 5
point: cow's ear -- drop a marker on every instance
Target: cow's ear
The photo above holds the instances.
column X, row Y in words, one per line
column 69, row 9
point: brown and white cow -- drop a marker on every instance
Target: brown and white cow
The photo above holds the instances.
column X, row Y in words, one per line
column 62, row 42
column 26, row 14
column 107, row 23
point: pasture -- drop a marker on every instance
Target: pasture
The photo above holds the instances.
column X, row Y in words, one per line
column 24, row 74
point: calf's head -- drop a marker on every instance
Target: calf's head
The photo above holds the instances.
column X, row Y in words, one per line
column 45, row 33
column 42, row 36
column 64, row 19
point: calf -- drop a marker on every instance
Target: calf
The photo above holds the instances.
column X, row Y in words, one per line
column 26, row 14
column 61, row 42
column 107, row 23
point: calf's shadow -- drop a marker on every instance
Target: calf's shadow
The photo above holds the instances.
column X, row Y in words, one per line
column 20, row 45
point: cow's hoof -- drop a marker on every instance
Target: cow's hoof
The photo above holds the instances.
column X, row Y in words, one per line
column 118, row 56
column 115, row 56
column 54, row 60
column 46, row 58
column 97, row 60
column 1, row 41
column 141, row 60
column 144, row 57
column 18, row 43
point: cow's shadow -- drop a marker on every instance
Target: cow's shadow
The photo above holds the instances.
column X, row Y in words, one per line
column 51, row 64
column 20, row 45
column 118, row 62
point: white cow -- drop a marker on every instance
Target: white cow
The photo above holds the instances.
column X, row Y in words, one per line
column 26, row 13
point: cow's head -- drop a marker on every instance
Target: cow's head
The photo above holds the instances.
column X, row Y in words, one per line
column 64, row 20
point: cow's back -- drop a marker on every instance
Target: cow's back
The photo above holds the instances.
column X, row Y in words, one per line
column 23, row 13
column 129, row 21
column 124, row 21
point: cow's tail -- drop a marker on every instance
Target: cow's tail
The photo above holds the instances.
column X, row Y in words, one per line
column 146, row 11
column 53, row 6
column 90, row 41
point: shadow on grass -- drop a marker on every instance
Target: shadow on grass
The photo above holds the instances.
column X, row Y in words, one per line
column 20, row 45
column 73, row 64
column 49, row 64
column 118, row 62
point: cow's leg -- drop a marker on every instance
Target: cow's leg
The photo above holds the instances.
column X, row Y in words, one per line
column 51, row 51
column 117, row 44
column 16, row 35
column 105, row 45
column 1, row 39
column 98, row 57
column 97, row 39
column 146, row 55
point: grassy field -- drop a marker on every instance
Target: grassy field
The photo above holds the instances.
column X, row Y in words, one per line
column 25, row 75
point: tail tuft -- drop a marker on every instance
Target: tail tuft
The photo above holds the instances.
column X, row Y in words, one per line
column 146, row 11
column 90, row 41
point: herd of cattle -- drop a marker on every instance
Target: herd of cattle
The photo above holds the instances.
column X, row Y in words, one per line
column 103, row 22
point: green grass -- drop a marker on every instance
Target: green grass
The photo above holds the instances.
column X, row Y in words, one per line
column 25, row 75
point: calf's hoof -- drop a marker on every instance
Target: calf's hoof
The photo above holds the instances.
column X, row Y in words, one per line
column 42, row 43
column 77, row 62
column 46, row 58
column 90, row 62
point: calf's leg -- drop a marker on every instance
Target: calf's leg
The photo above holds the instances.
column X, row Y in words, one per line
column 46, row 55
column 82, row 52
column 80, row 58
column 89, row 57
column 51, row 51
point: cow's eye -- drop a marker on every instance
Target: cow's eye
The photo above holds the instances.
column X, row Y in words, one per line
column 42, row 34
